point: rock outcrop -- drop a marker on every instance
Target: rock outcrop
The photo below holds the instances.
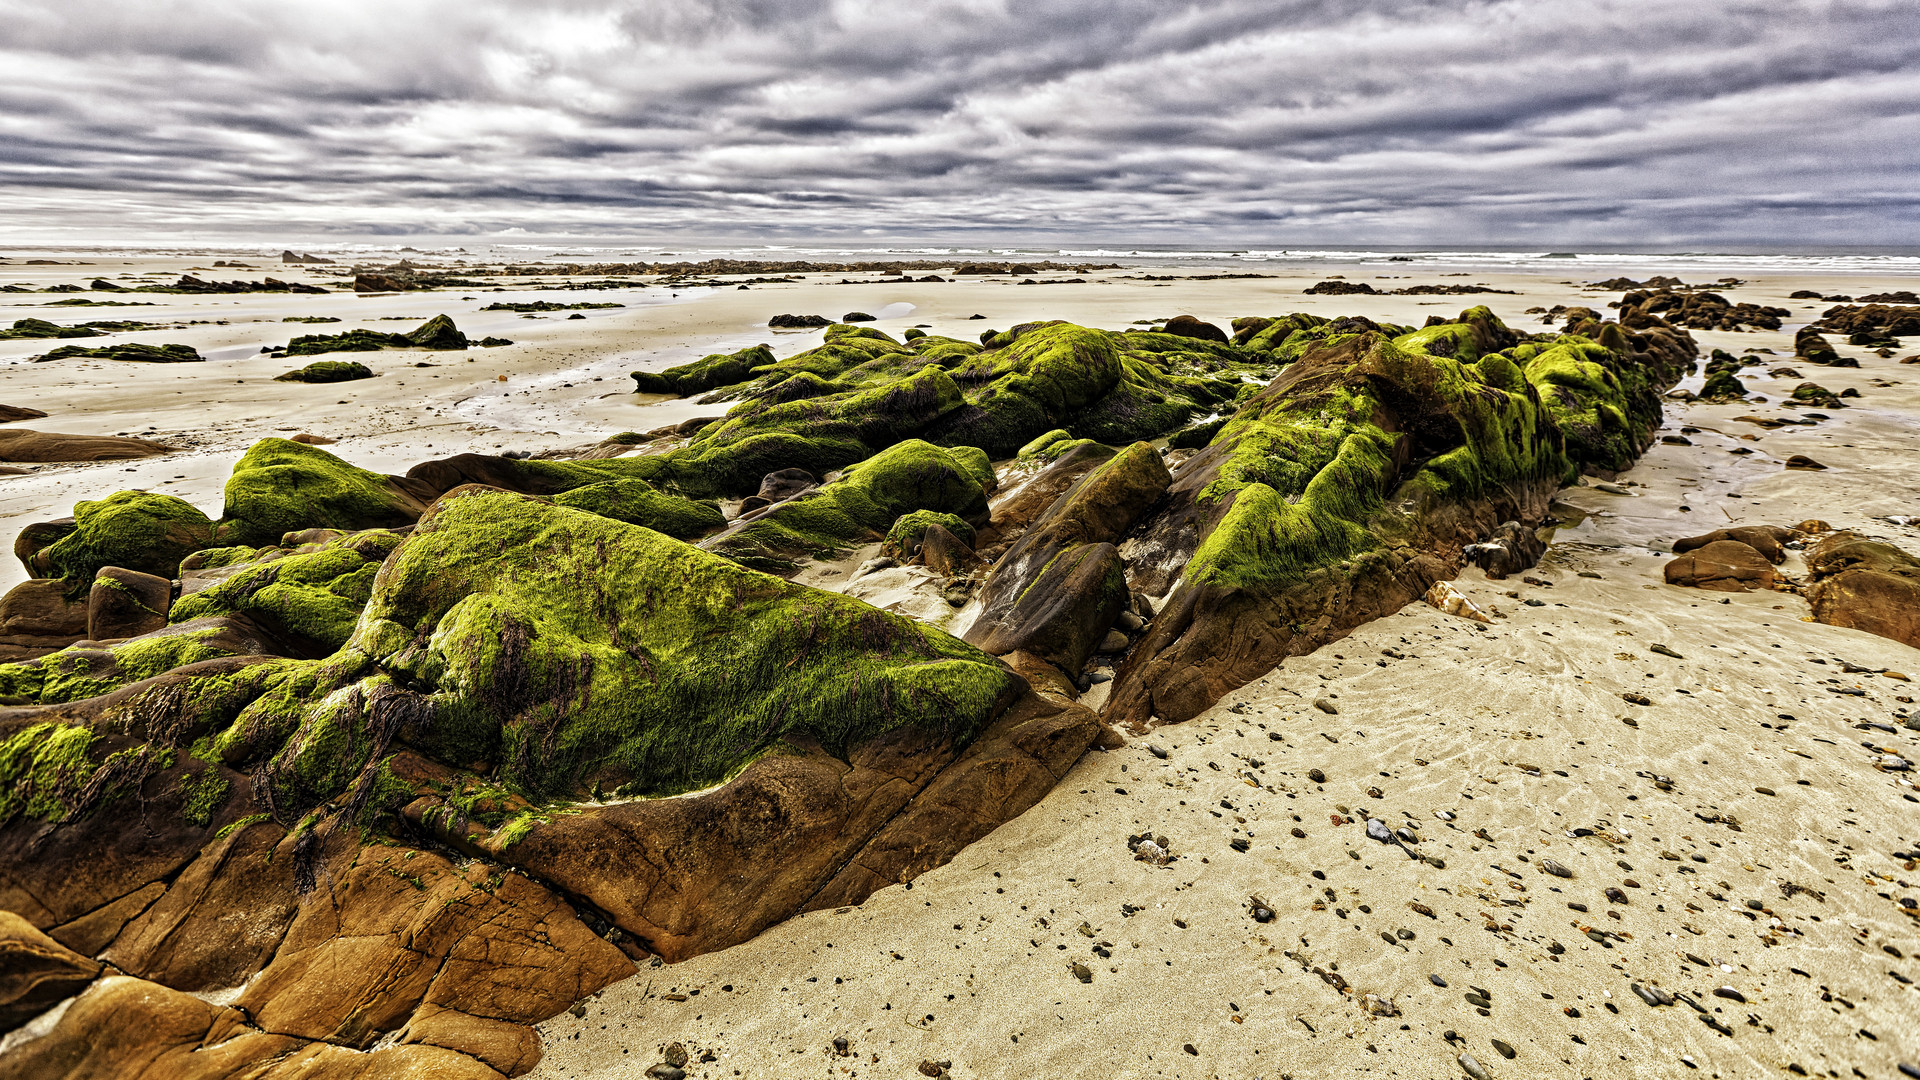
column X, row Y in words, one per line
column 1352, row 483
column 1722, row 565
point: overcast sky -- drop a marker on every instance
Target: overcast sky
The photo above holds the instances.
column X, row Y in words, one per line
column 1232, row 122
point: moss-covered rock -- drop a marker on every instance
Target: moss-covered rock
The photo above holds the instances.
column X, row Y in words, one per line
column 906, row 532
column 705, row 374
column 130, row 351
column 311, row 599
column 438, row 333
column 862, row 505
column 327, row 371
column 138, row 530
column 636, row 502
column 280, row 486
column 577, row 654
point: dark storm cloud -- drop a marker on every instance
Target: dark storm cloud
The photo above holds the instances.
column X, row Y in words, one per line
column 1229, row 122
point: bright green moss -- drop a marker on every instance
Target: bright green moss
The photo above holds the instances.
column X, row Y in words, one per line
column 136, row 530
column 584, row 654
column 43, row 768
column 80, row 672
column 705, row 374
column 202, row 795
column 636, row 502
column 280, row 486
column 1310, row 471
column 314, row 596
column 864, row 503
column 1034, row 448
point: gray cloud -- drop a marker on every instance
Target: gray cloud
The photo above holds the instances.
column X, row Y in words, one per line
column 1232, row 122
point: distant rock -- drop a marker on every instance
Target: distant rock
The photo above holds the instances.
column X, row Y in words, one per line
column 856, row 317
column 10, row 413
column 327, row 371
column 798, row 322
column 1339, row 288
column 22, row 444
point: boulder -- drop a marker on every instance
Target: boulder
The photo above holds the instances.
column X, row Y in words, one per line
column 944, row 553
column 798, row 322
column 24, row 445
column 1768, row 540
column 785, row 484
column 1057, row 590
column 327, row 371
column 1512, row 548
column 126, row 603
column 10, row 413
column 1723, row 566
column 1867, row 585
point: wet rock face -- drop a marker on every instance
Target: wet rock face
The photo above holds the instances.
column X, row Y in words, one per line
column 36, row 972
column 1722, row 566
column 1057, row 591
column 1866, row 585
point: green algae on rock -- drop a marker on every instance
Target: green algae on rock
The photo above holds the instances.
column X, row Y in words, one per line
column 577, row 654
column 437, row 333
column 133, row 351
column 636, row 502
column 311, row 599
column 906, row 532
column 137, row 530
column 327, row 371
column 280, row 486
column 861, row 505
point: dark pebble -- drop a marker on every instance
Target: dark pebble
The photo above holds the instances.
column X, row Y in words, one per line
column 1437, row 981
column 1506, row 1050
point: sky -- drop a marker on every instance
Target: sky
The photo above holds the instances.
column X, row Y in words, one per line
column 1248, row 123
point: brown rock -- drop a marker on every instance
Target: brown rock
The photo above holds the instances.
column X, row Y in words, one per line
column 125, row 1026
column 313, row 440
column 1188, row 326
column 221, row 920
column 1768, row 540
column 36, row 972
column 1062, row 613
column 785, row 484
column 1058, row 589
column 126, row 603
column 1016, row 507
column 21, row 444
column 1866, row 585
column 36, row 617
column 1802, row 461
column 944, row 553
column 1723, row 566
column 10, row 413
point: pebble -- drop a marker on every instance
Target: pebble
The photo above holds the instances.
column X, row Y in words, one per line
column 1326, row 706
column 1555, row 868
column 1437, row 981
column 1637, row 699
column 1664, row 651
column 1473, row 1068
column 1730, row 994
column 1505, row 1049
column 1082, row 972
column 1316, row 776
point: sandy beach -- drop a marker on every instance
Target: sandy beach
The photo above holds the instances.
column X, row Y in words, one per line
column 1756, row 856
